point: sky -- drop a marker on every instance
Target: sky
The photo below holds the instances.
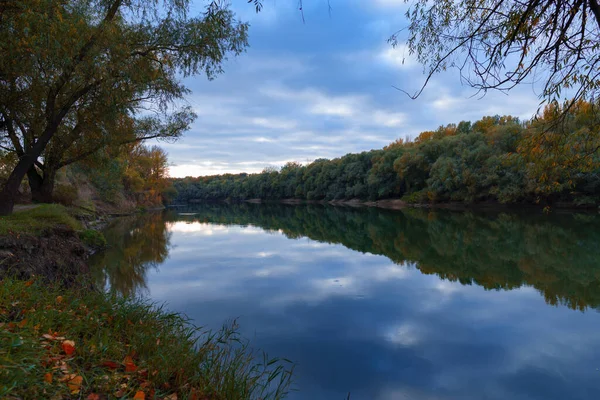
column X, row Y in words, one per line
column 321, row 88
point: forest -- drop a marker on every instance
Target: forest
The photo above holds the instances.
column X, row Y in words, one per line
column 549, row 159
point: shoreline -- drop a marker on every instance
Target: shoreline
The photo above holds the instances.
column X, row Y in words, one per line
column 398, row 204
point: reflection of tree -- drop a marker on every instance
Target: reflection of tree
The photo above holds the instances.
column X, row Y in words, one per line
column 557, row 254
column 136, row 245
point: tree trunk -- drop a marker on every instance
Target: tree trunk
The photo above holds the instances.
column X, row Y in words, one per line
column 47, row 187
column 35, row 184
column 11, row 187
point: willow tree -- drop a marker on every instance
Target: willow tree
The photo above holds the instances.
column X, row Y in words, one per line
column 77, row 75
column 498, row 44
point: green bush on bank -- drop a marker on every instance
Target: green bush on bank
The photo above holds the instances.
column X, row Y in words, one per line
column 81, row 344
column 93, row 238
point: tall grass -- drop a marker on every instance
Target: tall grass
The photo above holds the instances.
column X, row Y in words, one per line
column 122, row 348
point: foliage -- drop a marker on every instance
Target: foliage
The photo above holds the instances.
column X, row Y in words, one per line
column 82, row 75
column 550, row 159
column 86, row 344
column 38, row 220
column 65, row 194
column 134, row 171
column 497, row 44
column 93, row 238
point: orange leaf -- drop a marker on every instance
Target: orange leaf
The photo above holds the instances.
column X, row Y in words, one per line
column 59, row 299
column 75, row 384
column 139, row 396
column 22, row 323
column 93, row 396
column 28, row 283
column 110, row 364
column 68, row 347
column 129, row 365
column 48, row 377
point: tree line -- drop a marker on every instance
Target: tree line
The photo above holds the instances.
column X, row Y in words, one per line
column 550, row 159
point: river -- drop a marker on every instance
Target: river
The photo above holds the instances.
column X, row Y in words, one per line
column 379, row 304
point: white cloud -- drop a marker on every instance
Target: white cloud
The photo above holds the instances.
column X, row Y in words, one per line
column 398, row 57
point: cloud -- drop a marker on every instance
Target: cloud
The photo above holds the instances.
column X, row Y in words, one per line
column 398, row 57
column 320, row 90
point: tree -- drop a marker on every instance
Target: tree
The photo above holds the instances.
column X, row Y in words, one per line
column 76, row 76
column 498, row 44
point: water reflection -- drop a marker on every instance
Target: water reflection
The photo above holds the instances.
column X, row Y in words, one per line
column 137, row 244
column 556, row 254
column 456, row 314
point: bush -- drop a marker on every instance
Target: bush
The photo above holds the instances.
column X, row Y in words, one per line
column 93, row 238
column 418, row 197
column 65, row 194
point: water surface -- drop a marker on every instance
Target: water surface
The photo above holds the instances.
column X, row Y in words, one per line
column 383, row 304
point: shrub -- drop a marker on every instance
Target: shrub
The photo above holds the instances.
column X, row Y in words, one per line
column 93, row 238
column 65, row 194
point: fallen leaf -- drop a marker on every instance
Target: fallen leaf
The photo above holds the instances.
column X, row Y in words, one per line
column 67, row 377
column 28, row 283
column 59, row 299
column 110, row 364
column 119, row 393
column 93, row 396
column 139, row 395
column 129, row 365
column 171, row 397
column 52, row 337
column 75, row 384
column 22, row 323
column 48, row 377
column 68, row 347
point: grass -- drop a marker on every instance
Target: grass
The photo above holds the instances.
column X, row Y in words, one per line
column 88, row 345
column 38, row 220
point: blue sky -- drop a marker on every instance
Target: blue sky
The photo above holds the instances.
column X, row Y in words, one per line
column 321, row 89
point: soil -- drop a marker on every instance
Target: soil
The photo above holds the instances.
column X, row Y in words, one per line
column 56, row 255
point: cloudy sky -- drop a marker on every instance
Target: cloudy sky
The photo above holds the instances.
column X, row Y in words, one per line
column 321, row 89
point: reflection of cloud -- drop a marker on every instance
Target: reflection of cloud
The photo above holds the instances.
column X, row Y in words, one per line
column 406, row 334
column 279, row 270
column 425, row 334
column 197, row 228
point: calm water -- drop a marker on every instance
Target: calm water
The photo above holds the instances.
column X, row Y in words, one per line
column 383, row 304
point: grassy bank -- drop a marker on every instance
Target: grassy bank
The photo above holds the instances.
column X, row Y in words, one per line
column 81, row 344
column 39, row 219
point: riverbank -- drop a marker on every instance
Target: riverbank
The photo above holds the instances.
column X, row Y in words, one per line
column 399, row 204
column 77, row 343
column 61, row 337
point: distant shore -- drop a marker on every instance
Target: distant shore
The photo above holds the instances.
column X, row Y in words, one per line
column 399, row 204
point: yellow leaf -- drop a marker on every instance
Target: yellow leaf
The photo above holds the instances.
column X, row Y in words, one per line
column 75, row 384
